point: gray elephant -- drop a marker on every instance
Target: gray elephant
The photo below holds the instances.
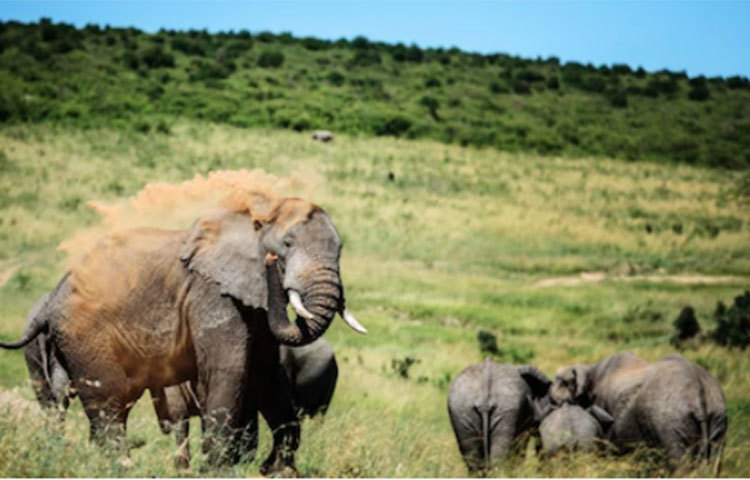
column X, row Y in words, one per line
column 571, row 427
column 671, row 404
column 149, row 308
column 310, row 372
column 490, row 405
column 50, row 381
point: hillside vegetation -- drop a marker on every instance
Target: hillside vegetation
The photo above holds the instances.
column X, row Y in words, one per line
column 127, row 78
column 565, row 260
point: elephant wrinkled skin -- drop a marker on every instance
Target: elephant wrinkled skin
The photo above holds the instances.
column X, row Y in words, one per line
column 490, row 405
column 148, row 308
column 570, row 427
column 671, row 404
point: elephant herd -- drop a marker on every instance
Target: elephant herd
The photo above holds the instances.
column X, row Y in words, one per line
column 198, row 317
column 672, row 405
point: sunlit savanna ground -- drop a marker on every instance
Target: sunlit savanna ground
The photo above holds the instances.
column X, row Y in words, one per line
column 455, row 241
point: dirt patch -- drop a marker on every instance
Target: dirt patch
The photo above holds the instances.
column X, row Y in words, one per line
column 596, row 277
column 6, row 274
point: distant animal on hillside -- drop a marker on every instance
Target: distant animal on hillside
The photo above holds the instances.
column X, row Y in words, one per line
column 322, row 135
column 572, row 427
column 490, row 405
column 671, row 404
column 148, row 308
column 311, row 372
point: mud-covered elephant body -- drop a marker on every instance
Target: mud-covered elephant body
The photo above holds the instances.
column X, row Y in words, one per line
column 490, row 405
column 671, row 404
column 149, row 308
column 571, row 427
column 302, row 382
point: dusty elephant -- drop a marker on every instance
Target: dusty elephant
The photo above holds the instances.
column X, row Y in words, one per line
column 572, row 427
column 149, row 308
column 671, row 404
column 308, row 374
column 490, row 405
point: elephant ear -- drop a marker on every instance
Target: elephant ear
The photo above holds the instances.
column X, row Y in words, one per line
column 535, row 379
column 582, row 385
column 225, row 248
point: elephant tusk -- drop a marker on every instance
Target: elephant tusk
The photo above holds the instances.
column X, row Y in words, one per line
column 298, row 307
column 352, row 322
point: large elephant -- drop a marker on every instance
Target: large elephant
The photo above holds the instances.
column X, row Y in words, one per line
column 671, row 404
column 572, row 427
column 308, row 374
column 490, row 405
column 148, row 308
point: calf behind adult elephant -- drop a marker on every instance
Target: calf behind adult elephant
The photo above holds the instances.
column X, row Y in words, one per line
column 490, row 405
column 672, row 404
column 572, row 427
column 304, row 383
column 148, row 308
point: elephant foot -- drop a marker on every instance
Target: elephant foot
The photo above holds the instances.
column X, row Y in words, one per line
column 277, row 467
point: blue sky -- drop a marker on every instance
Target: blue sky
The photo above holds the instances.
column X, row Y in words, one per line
column 702, row 37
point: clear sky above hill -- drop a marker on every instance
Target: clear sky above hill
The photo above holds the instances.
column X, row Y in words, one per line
column 702, row 37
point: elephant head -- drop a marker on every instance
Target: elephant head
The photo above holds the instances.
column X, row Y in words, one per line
column 229, row 248
column 572, row 385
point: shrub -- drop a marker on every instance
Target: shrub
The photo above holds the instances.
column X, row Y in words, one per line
column 617, row 97
column 699, row 93
column 414, row 54
column 487, row 342
column 131, row 60
column 736, row 83
column 396, row 126
column 497, row 87
column 155, row 57
column 594, row 83
column 521, row 87
column 361, row 43
column 432, row 104
column 402, row 365
column 432, row 82
column 336, row 79
column 187, row 46
column 529, row 76
column 553, row 83
column 364, row 58
column 686, row 324
column 733, row 323
column 271, row 59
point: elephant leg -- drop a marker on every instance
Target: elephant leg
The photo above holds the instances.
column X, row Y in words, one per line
column 275, row 405
column 467, row 426
column 222, row 418
column 182, row 440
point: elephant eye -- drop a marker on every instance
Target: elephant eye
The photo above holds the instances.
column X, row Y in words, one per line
column 287, row 243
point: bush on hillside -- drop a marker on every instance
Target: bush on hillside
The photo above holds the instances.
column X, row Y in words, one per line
column 156, row 57
column 271, row 59
column 733, row 323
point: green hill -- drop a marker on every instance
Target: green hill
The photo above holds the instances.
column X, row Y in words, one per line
column 123, row 77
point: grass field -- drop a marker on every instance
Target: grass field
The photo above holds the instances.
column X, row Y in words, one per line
column 565, row 260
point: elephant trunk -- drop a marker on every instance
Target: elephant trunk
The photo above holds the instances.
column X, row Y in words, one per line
column 320, row 301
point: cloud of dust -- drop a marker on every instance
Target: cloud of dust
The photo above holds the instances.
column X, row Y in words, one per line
column 176, row 206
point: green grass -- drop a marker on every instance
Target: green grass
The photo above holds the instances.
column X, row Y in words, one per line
column 459, row 240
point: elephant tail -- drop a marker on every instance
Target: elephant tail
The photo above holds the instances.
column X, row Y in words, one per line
column 37, row 325
column 486, row 437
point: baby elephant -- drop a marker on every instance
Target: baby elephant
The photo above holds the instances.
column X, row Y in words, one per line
column 571, row 427
column 311, row 372
column 490, row 405
column 671, row 404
